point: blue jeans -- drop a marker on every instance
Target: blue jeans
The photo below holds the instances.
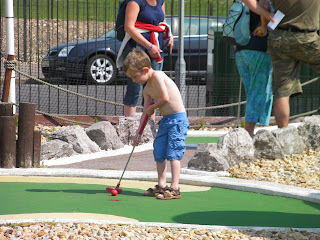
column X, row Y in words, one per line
column 133, row 89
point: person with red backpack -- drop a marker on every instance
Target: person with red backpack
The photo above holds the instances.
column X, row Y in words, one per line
column 151, row 12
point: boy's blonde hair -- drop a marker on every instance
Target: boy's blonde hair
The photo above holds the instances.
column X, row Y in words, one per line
column 136, row 61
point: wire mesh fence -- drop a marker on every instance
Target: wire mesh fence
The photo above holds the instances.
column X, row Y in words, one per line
column 71, row 45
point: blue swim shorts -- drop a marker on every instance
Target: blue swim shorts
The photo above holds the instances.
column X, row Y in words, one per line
column 170, row 140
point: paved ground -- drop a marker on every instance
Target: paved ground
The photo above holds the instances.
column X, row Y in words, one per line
column 140, row 161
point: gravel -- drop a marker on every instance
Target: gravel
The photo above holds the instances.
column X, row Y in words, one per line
column 122, row 231
column 301, row 170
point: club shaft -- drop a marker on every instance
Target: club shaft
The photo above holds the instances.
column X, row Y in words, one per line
column 125, row 167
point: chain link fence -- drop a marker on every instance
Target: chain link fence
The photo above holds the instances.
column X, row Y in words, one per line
column 65, row 53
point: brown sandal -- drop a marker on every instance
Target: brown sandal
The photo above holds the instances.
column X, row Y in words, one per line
column 170, row 193
column 153, row 192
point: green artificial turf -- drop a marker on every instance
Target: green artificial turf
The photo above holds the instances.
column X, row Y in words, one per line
column 196, row 140
column 214, row 207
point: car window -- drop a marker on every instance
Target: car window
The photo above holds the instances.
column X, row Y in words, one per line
column 174, row 30
column 194, row 26
column 216, row 25
column 191, row 26
column 200, row 26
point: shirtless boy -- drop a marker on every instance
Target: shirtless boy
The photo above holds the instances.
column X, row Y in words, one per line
column 169, row 143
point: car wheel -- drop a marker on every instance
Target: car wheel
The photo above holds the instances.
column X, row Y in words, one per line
column 101, row 69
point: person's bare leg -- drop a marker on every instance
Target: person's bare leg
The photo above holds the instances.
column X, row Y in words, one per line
column 281, row 108
column 162, row 170
column 175, row 173
column 249, row 126
column 128, row 111
column 175, row 176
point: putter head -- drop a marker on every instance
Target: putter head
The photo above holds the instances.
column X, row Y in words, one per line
column 109, row 189
column 119, row 190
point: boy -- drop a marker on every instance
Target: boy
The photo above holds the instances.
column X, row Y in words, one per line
column 169, row 143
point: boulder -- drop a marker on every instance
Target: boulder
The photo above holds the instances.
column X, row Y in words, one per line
column 266, row 146
column 128, row 127
column 236, row 146
column 207, row 147
column 310, row 134
column 231, row 149
column 77, row 137
column 105, row 135
column 314, row 119
column 207, row 159
column 290, row 140
column 56, row 149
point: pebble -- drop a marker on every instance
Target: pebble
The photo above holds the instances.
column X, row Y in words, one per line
column 301, row 170
column 123, row 231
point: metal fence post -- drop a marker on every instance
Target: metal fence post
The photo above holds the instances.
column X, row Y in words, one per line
column 180, row 68
column 239, row 103
column 9, row 83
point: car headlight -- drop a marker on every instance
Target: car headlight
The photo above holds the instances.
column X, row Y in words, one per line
column 65, row 51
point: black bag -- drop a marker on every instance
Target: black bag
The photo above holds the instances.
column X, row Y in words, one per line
column 121, row 19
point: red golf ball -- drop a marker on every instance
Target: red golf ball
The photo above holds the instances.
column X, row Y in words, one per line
column 114, row 192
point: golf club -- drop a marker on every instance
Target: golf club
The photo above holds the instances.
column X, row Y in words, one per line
column 144, row 123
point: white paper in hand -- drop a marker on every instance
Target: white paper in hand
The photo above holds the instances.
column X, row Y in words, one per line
column 277, row 17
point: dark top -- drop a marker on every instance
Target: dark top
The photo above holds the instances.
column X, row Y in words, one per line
column 255, row 43
column 151, row 15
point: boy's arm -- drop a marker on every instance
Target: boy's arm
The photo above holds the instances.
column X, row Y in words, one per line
column 149, row 106
column 147, row 102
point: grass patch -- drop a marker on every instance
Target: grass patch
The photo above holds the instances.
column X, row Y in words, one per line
column 197, row 140
column 216, row 206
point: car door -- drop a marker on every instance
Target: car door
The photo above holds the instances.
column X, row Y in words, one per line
column 195, row 43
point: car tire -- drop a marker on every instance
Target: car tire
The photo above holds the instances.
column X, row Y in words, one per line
column 101, row 69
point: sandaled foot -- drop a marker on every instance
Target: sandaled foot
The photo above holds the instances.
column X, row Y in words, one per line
column 153, row 192
column 170, row 193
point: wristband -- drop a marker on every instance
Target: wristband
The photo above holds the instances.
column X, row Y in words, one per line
column 150, row 47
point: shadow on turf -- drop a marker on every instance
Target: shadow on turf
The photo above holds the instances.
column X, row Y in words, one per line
column 250, row 218
column 313, row 195
column 85, row 191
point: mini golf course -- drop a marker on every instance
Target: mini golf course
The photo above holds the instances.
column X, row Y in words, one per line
column 215, row 206
column 198, row 205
